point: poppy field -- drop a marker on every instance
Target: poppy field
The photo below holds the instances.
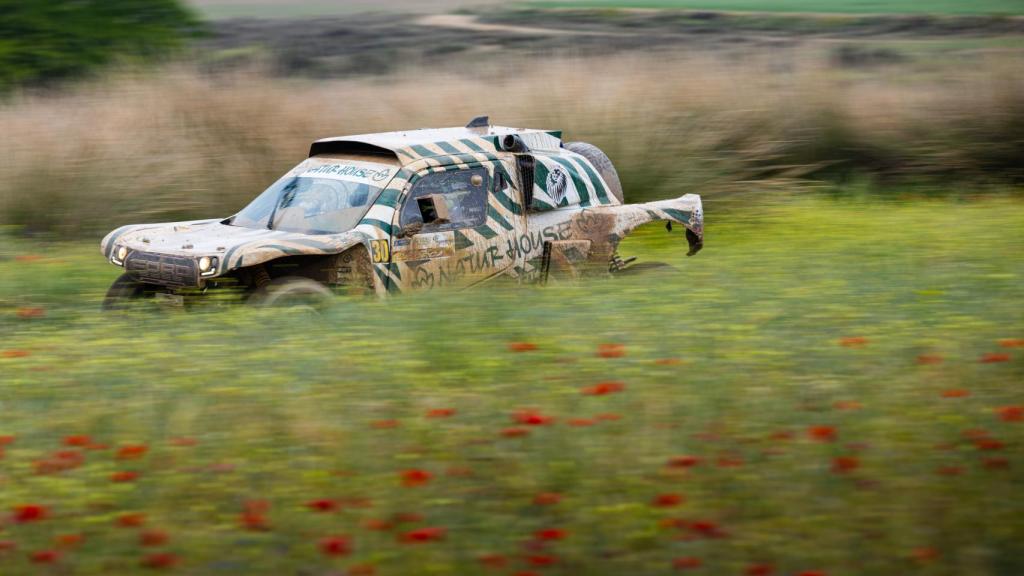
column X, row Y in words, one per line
column 831, row 387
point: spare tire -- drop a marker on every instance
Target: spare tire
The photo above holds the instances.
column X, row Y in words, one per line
column 602, row 163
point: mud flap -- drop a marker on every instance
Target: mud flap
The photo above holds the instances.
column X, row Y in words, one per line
column 696, row 242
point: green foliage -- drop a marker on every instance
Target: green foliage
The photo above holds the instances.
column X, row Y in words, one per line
column 797, row 314
column 50, row 40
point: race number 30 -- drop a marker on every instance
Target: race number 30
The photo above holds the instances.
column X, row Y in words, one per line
column 381, row 251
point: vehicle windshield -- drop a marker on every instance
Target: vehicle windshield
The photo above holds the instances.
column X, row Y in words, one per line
column 327, row 199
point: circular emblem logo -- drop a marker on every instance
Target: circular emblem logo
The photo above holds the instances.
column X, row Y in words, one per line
column 556, row 184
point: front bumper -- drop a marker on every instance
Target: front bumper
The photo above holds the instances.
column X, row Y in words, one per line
column 162, row 269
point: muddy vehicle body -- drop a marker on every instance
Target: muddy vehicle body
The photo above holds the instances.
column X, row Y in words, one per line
column 402, row 211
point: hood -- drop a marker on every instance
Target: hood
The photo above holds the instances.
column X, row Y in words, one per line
column 233, row 246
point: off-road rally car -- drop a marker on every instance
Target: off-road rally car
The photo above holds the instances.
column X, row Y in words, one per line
column 402, row 211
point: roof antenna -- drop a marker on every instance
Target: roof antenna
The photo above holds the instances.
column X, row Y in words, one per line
column 479, row 122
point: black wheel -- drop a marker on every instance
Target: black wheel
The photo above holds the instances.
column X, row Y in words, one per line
column 124, row 291
column 603, row 164
column 293, row 292
column 645, row 268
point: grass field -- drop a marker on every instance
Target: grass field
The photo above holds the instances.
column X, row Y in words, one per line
column 807, row 6
column 830, row 387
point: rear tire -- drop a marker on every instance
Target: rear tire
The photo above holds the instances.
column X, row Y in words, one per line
column 123, row 291
column 293, row 292
column 603, row 165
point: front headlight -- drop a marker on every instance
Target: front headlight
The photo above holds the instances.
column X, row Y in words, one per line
column 118, row 254
column 207, row 266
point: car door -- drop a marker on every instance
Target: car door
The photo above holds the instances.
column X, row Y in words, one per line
column 471, row 246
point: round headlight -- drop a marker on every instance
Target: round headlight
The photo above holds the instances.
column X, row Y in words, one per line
column 204, row 263
column 122, row 253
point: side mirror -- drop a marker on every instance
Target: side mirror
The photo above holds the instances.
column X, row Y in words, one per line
column 433, row 209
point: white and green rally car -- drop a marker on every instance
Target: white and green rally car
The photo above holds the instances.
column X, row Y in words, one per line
column 399, row 211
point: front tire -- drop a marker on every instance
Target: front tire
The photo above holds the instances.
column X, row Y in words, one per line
column 123, row 291
column 293, row 292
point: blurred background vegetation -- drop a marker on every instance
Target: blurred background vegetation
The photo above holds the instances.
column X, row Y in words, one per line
column 135, row 110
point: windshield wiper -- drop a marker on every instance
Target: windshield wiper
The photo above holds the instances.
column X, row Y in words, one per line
column 287, row 193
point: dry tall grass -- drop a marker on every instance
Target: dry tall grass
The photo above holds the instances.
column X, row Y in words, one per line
column 182, row 144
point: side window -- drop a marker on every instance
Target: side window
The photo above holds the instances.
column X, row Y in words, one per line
column 464, row 191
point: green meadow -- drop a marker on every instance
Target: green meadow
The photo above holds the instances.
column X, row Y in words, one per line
column 832, row 386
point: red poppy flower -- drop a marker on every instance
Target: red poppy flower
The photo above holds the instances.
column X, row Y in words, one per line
column 521, row 346
column 68, row 540
column 260, row 506
column 541, row 560
column 514, row 432
column 1012, row 342
column 847, row 405
column 975, row 433
column 323, row 505
column 440, row 412
column 77, row 440
column 184, row 442
column 604, row 388
column 415, row 477
column 686, row 563
column 759, row 570
column 7, row 546
column 131, row 520
column 532, row 418
column 132, row 452
column 729, row 462
column 27, row 312
column 337, row 545
column 996, row 463
column 707, row 529
column 255, row 521
column 993, row 357
column 925, row 554
column 683, row 461
column 609, row 350
column 421, row 535
column 608, row 417
column 547, row 498
column 844, row 464
column 548, row 534
column 821, row 433
column 153, row 537
column 927, row 359
column 362, row 570
column 408, row 517
column 26, row 513
column 160, row 560
column 384, row 424
column 581, row 422
column 15, row 353
column 956, row 393
column 124, row 476
column 853, row 341
column 668, row 361
column 495, row 561
column 1011, row 413
column 988, row 444
column 376, row 524
column 949, row 471
column 6, row 440
column 667, row 500
column 44, row 556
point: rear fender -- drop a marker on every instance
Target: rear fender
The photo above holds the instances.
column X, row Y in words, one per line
column 606, row 226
